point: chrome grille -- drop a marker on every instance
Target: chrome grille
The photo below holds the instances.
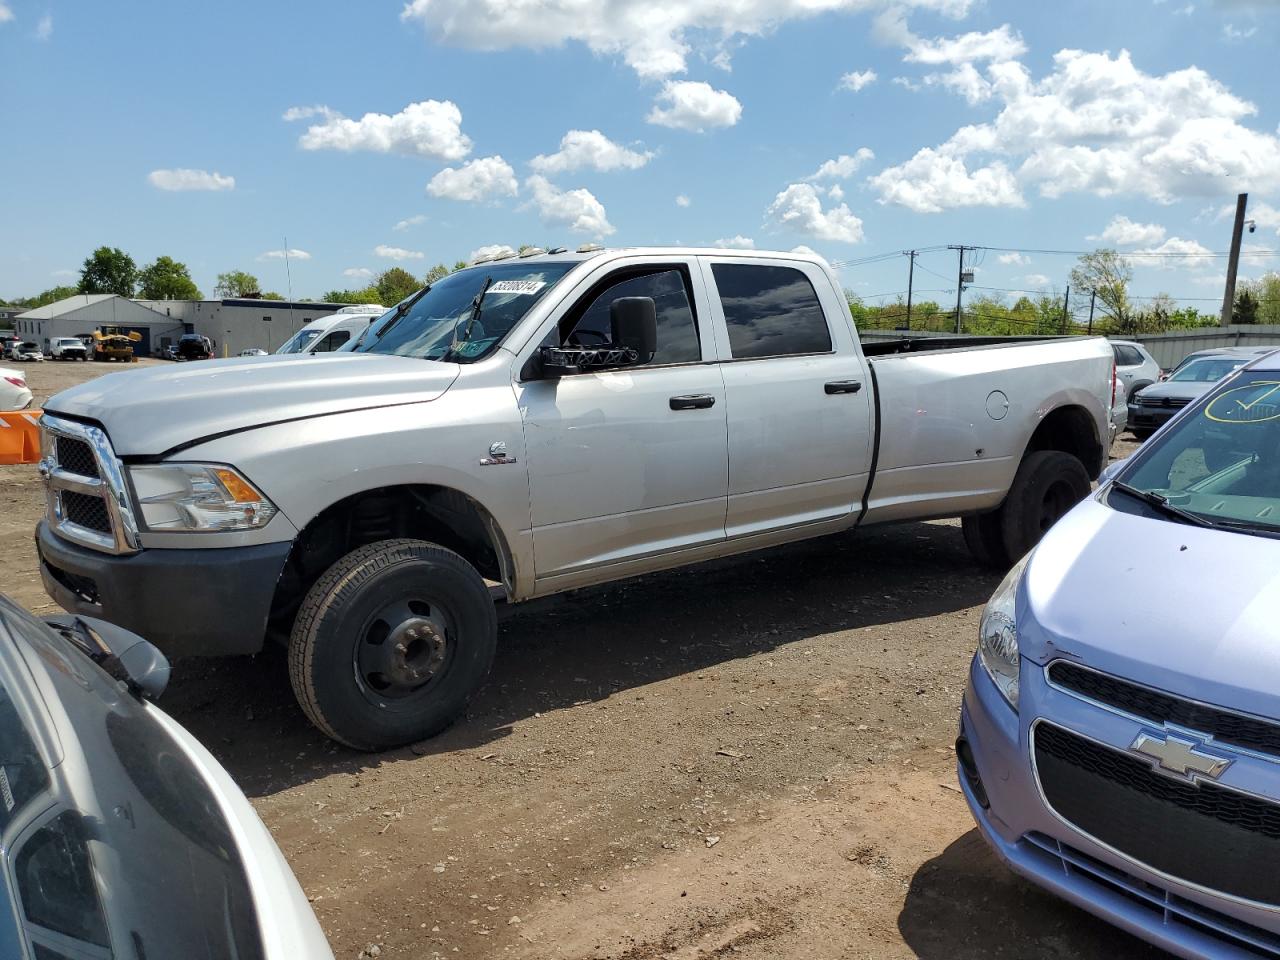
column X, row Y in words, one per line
column 88, row 502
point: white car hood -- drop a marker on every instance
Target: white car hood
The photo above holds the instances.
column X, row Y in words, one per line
column 151, row 410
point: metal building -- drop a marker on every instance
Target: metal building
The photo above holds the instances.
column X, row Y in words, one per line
column 241, row 323
column 85, row 312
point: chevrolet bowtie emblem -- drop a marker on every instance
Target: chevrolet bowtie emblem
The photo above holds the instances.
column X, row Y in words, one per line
column 1180, row 756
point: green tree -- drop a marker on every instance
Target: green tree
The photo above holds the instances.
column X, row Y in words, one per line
column 166, row 279
column 438, row 272
column 271, row 295
column 368, row 295
column 237, row 283
column 459, row 265
column 394, row 285
column 52, row 295
column 1110, row 274
column 109, row 270
column 1245, row 309
column 1267, row 291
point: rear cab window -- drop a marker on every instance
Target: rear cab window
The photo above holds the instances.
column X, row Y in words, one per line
column 770, row 311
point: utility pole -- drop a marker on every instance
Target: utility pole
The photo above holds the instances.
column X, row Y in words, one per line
column 1237, row 231
column 911, row 274
column 1093, row 297
column 961, row 277
column 1066, row 299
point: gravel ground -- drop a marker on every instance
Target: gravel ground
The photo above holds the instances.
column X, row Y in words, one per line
column 748, row 757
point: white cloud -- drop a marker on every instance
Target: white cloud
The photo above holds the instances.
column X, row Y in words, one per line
column 843, row 166
column 592, row 150
column 682, row 200
column 694, row 105
column 292, row 254
column 858, row 79
column 579, row 210
column 1014, row 259
column 485, row 179
column 44, row 28
column 836, row 192
column 964, row 80
column 358, row 273
column 1266, row 216
column 799, row 208
column 809, row 251
column 416, row 220
column 1187, row 253
column 430, row 128
column 936, row 180
column 1094, row 124
column 396, row 253
column 1233, row 34
column 1036, row 281
column 1124, row 232
column 653, row 37
column 6, row 12
column 491, row 250
column 184, row 179
column 721, row 61
column 1003, row 43
column 737, row 242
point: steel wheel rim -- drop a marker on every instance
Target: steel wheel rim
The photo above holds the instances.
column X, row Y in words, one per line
column 404, row 649
column 1058, row 500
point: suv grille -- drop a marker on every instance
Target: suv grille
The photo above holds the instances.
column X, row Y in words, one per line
column 75, row 456
column 1224, row 726
column 1200, row 833
column 1167, row 402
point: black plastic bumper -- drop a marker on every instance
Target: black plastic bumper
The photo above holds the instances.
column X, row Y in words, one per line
column 201, row 602
column 1147, row 418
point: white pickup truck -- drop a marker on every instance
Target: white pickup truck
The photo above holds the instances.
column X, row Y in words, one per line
column 528, row 426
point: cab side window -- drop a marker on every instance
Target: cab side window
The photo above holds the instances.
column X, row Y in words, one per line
column 332, row 341
column 770, row 311
column 677, row 325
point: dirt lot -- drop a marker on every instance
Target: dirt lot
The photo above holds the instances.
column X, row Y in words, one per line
column 749, row 758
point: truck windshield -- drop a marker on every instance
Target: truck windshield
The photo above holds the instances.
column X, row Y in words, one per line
column 1220, row 462
column 465, row 316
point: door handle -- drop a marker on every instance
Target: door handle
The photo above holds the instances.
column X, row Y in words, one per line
column 695, row 402
column 843, row 386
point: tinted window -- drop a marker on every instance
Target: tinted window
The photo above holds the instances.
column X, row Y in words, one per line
column 770, row 311
column 1126, row 356
column 22, row 773
column 55, row 881
column 332, row 341
column 677, row 332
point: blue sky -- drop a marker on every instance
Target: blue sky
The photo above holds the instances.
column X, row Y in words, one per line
column 160, row 128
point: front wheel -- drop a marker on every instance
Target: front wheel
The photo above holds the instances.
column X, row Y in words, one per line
column 390, row 644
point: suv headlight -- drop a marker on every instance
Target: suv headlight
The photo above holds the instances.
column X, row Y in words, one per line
column 198, row 497
column 998, row 634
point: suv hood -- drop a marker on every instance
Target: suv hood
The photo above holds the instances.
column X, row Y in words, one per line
column 1186, row 609
column 149, row 411
column 1176, row 388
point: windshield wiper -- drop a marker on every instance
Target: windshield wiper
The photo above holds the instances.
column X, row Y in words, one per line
column 400, row 312
column 472, row 319
column 1162, row 505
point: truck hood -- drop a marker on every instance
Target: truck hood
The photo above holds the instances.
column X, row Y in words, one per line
column 1186, row 609
column 154, row 409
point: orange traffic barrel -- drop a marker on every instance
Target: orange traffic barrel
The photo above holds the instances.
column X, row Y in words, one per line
column 19, row 436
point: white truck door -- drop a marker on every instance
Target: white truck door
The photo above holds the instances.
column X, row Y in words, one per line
column 800, row 405
column 629, row 463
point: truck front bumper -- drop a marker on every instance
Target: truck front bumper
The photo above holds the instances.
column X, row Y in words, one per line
column 1000, row 785
column 199, row 602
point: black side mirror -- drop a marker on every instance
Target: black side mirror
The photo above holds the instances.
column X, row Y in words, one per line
column 119, row 651
column 634, row 324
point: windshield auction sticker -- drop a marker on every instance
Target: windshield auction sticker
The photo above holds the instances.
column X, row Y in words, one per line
column 517, row 286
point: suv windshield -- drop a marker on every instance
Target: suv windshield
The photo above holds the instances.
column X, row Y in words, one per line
column 1221, row 461
column 447, row 323
column 1208, row 370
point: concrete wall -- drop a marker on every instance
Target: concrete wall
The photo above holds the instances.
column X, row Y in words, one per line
column 235, row 325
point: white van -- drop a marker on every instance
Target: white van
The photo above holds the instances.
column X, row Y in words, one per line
column 329, row 333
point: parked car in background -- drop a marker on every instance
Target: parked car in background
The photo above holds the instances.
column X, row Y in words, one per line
column 1135, row 367
column 192, row 346
column 254, row 352
column 331, row 333
column 24, row 351
column 123, row 836
column 1155, row 404
column 1244, row 353
column 168, row 352
column 1120, row 734
column 374, row 504
column 67, row 348
column 14, row 392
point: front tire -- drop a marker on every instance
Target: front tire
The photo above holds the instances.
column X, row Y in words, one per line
column 390, row 644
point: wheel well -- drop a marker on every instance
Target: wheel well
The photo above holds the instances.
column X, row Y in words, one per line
column 1072, row 430
column 420, row 511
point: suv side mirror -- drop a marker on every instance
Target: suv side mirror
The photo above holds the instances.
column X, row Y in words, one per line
column 1111, row 471
column 634, row 323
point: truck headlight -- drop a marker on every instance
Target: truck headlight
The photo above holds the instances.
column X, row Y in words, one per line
column 998, row 634
column 198, row 497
